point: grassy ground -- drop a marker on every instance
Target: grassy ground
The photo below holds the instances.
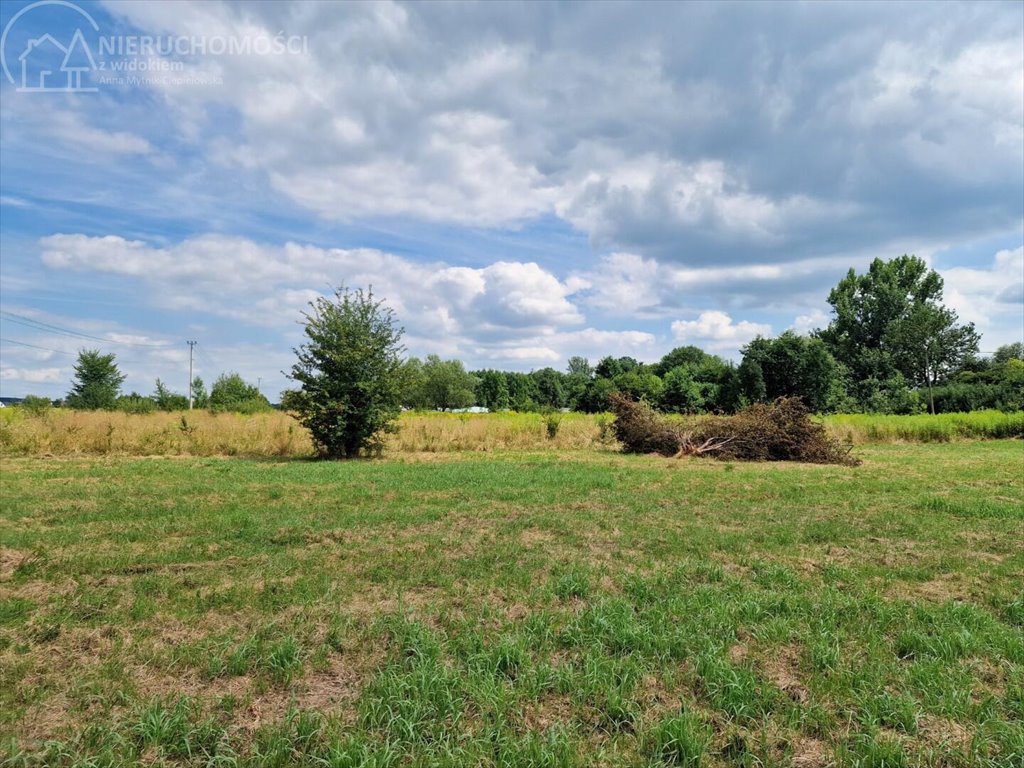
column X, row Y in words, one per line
column 62, row 432
column 516, row 609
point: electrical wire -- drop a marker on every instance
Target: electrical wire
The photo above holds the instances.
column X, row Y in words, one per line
column 39, row 325
column 35, row 346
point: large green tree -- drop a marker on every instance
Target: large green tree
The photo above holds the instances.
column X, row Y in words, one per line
column 447, row 384
column 793, row 366
column 97, row 381
column 890, row 325
column 349, row 373
column 928, row 345
column 492, row 390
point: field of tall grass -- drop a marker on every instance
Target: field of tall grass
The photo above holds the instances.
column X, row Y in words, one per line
column 62, row 432
column 925, row 428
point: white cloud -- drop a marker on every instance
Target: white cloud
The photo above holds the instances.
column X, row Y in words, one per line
column 992, row 298
column 812, row 321
column 33, row 375
column 474, row 115
column 715, row 330
column 264, row 284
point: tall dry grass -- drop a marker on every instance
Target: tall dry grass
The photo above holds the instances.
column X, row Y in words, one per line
column 60, row 432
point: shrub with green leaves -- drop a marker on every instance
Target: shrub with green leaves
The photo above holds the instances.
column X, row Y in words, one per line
column 349, row 372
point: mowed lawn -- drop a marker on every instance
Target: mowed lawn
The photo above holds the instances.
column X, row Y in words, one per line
column 517, row 609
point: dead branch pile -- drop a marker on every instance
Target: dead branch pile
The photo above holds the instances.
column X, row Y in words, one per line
column 779, row 431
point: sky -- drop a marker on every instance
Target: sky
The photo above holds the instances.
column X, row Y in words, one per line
column 520, row 182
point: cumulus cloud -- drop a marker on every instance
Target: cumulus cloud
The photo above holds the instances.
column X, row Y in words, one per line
column 33, row 375
column 716, row 331
column 445, row 309
column 630, row 126
column 992, row 298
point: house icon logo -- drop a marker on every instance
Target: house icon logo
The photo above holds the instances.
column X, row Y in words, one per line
column 47, row 65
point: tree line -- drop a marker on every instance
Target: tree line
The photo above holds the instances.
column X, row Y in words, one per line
column 891, row 347
column 97, row 386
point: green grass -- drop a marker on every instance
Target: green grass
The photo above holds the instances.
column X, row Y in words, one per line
column 926, row 428
column 515, row 609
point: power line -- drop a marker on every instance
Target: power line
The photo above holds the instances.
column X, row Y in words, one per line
column 34, row 346
column 39, row 325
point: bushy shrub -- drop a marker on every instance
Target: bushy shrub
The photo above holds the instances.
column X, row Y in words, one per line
column 135, row 403
column 35, row 405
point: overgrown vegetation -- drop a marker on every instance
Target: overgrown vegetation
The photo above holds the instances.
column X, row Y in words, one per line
column 519, row 610
column 62, row 432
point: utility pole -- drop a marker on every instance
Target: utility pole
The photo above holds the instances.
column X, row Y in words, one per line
column 191, row 346
column 259, row 384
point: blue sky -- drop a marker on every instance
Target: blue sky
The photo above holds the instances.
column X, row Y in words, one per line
column 521, row 182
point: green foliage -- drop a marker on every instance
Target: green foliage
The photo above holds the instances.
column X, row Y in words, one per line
column 350, row 373
column 522, row 392
column 689, row 356
column 596, row 396
column 610, row 367
column 550, row 388
column 682, row 392
column 492, row 390
column 1009, row 352
column 135, row 403
column 168, row 401
column 230, row 392
column 888, row 396
column 199, row 397
column 446, row 385
column 890, row 321
column 791, row 365
column 35, row 405
column 639, row 384
column 97, row 381
column 552, row 421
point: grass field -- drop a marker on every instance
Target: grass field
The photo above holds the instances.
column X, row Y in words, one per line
column 558, row 608
column 278, row 435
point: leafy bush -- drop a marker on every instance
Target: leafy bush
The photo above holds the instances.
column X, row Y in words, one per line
column 230, row 392
column 135, row 403
column 350, row 374
column 35, row 405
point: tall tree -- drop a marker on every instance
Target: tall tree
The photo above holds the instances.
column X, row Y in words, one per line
column 689, row 356
column 928, row 345
column 792, row 366
column 447, row 384
column 550, row 388
column 492, row 390
column 349, row 373
column 97, row 381
column 889, row 319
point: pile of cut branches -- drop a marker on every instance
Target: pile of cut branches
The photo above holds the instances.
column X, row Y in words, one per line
column 779, row 431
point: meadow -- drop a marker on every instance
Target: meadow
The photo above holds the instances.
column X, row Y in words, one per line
column 60, row 432
column 518, row 599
